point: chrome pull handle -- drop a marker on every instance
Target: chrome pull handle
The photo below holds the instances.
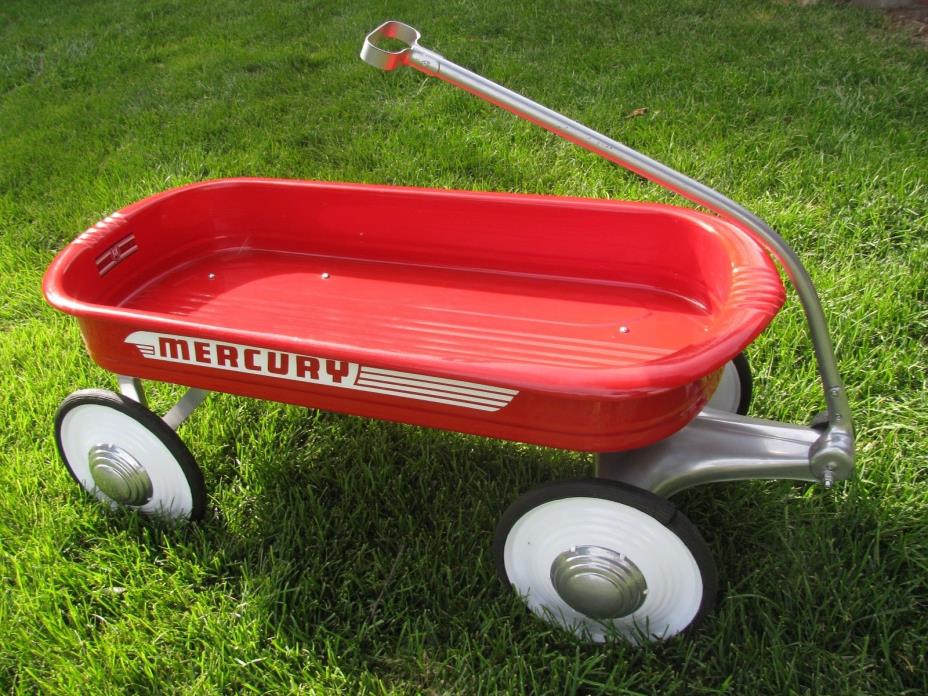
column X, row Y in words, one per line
column 837, row 440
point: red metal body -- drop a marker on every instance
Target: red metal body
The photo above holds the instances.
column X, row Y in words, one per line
column 574, row 323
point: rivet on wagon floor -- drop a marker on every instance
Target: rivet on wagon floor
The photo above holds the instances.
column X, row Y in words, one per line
column 624, row 329
column 325, row 276
column 211, row 276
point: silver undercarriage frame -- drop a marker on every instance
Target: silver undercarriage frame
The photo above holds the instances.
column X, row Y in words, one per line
column 715, row 446
column 131, row 387
column 719, row 446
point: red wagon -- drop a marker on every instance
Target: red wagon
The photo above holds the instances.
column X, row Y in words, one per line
column 573, row 323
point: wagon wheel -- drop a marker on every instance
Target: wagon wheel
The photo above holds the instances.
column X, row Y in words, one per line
column 735, row 387
column 127, row 456
column 602, row 559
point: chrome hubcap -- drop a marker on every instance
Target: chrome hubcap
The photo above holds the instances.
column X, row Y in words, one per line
column 118, row 475
column 598, row 582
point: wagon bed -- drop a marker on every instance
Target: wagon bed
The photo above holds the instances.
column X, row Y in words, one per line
column 609, row 318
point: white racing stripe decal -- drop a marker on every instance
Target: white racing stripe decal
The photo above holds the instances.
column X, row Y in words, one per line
column 387, row 374
column 326, row 371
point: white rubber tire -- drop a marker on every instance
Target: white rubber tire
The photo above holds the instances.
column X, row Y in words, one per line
column 94, row 417
column 680, row 586
column 733, row 394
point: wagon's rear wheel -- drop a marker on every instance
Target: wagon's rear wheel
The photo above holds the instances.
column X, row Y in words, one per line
column 603, row 559
column 735, row 387
column 127, row 456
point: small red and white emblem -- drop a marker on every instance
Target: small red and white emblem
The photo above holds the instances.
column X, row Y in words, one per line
column 326, row 371
column 113, row 256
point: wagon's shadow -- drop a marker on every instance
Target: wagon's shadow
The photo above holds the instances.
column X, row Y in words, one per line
column 364, row 530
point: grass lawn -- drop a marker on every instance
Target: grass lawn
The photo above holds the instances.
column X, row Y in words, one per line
column 345, row 555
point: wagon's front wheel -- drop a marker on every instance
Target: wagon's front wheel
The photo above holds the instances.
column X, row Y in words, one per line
column 604, row 559
column 127, row 456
